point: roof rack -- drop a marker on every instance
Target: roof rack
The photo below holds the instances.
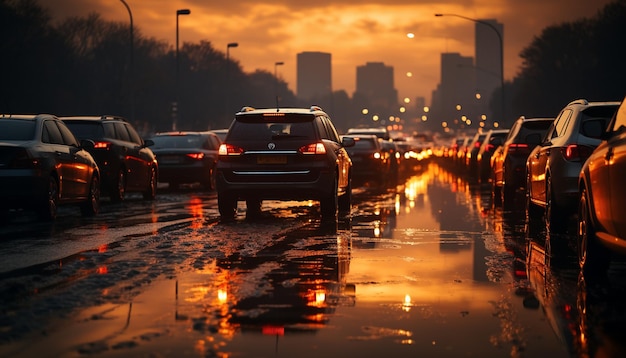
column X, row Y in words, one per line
column 112, row 117
column 579, row 101
column 316, row 108
column 247, row 109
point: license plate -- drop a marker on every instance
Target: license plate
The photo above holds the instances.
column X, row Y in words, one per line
column 271, row 159
column 168, row 159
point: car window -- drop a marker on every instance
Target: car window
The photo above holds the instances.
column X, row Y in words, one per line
column 362, row 143
column 214, row 142
column 121, row 133
column 620, row 119
column 16, row 129
column 332, row 133
column 109, row 130
column 85, row 129
column 134, row 136
column 51, row 133
column 560, row 124
column 68, row 137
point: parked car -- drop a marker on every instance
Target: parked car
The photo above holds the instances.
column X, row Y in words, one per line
column 370, row 163
column 493, row 140
column 186, row 157
column 284, row 154
column 126, row 163
column 553, row 167
column 395, row 157
column 471, row 156
column 602, row 208
column 508, row 164
column 380, row 132
column 42, row 166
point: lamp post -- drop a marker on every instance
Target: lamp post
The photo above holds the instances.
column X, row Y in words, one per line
column 490, row 25
column 276, row 64
column 232, row 44
column 178, row 13
column 132, row 64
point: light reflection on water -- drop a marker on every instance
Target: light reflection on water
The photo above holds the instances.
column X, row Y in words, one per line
column 418, row 272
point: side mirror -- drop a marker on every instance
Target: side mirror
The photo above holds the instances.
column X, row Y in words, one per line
column 148, row 142
column 347, row 142
column 87, row 144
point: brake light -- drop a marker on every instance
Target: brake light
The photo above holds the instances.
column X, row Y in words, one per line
column 477, row 144
column 313, row 148
column 196, row 155
column 518, row 148
column 229, row 150
column 575, row 152
column 102, row 145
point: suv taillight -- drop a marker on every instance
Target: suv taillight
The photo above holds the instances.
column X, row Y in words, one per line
column 519, row 148
column 313, row 148
column 229, row 150
column 576, row 152
column 102, row 145
column 197, row 156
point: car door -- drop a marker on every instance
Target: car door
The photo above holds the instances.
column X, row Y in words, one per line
column 63, row 159
column 616, row 159
column 81, row 164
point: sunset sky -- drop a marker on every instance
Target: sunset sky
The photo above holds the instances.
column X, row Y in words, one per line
column 353, row 31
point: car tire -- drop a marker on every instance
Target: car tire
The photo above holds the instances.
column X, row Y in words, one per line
column 329, row 204
column 150, row 193
column 117, row 191
column 593, row 257
column 50, row 205
column 227, row 206
column 91, row 206
column 555, row 221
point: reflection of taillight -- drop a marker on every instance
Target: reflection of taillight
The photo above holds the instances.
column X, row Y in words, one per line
column 229, row 149
column 575, row 152
column 196, row 155
column 102, row 145
column 313, row 148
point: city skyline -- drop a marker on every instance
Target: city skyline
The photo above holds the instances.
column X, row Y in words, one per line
column 354, row 34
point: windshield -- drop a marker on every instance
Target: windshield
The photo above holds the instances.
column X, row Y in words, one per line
column 177, row 141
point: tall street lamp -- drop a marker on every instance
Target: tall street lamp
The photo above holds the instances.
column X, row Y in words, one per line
column 232, row 44
column 132, row 64
column 501, row 50
column 178, row 13
column 276, row 64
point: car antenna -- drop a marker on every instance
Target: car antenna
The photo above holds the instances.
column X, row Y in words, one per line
column 277, row 108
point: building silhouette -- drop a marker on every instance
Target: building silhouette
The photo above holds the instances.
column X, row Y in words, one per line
column 488, row 68
column 375, row 90
column 313, row 76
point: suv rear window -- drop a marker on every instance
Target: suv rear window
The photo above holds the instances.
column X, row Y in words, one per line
column 273, row 130
column 12, row 129
column 86, row 130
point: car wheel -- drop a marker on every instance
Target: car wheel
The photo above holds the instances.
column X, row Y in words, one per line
column 593, row 258
column 328, row 205
column 555, row 221
column 345, row 201
column 49, row 209
column 117, row 191
column 227, row 205
column 150, row 193
column 92, row 205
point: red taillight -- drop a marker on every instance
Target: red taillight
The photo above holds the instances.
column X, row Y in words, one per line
column 313, row 148
column 230, row 150
column 477, row 144
column 102, row 145
column 519, row 148
column 575, row 152
column 196, row 155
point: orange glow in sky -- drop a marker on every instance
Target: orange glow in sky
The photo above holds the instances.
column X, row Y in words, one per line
column 354, row 32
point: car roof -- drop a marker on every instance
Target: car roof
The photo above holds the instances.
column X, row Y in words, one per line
column 93, row 118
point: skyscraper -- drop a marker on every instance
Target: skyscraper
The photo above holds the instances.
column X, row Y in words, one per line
column 375, row 88
column 313, row 75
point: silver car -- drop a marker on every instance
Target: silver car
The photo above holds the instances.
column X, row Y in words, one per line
column 552, row 168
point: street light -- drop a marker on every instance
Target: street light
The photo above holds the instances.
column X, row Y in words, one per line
column 276, row 64
column 178, row 13
column 232, row 44
column 132, row 64
column 501, row 49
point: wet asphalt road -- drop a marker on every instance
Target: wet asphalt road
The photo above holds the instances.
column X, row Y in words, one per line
column 426, row 268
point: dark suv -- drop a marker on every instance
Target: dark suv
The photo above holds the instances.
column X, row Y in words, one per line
column 283, row 154
column 126, row 163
